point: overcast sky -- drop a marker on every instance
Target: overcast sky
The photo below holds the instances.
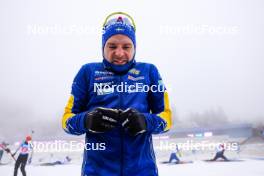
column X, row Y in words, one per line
column 210, row 53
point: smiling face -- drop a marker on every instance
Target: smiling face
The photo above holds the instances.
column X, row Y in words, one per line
column 119, row 49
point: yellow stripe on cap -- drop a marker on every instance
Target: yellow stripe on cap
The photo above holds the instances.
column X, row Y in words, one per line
column 120, row 13
column 68, row 112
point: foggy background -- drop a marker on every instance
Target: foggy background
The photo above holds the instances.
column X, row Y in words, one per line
column 209, row 53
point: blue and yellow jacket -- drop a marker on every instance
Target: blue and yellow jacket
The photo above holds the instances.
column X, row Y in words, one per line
column 120, row 153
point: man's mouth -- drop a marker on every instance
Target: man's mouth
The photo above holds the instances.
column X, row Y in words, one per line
column 119, row 61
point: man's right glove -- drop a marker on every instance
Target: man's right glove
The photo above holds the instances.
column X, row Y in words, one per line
column 101, row 120
column 134, row 121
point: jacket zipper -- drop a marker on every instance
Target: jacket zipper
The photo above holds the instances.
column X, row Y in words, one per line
column 121, row 130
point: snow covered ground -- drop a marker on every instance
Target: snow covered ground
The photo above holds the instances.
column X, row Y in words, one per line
column 251, row 153
column 245, row 168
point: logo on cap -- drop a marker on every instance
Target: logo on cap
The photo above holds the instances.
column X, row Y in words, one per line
column 119, row 29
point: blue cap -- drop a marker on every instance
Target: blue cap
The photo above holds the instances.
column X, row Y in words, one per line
column 118, row 25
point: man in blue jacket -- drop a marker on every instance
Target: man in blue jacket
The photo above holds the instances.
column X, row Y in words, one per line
column 118, row 103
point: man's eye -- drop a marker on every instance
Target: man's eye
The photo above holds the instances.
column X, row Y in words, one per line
column 126, row 47
column 112, row 47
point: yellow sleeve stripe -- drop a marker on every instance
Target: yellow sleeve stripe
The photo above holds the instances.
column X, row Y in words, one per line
column 68, row 112
column 166, row 114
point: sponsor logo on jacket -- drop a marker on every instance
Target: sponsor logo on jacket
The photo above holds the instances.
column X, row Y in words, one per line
column 135, row 78
column 134, row 71
column 102, row 73
column 103, row 78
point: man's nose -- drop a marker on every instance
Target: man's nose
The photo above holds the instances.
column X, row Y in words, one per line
column 119, row 52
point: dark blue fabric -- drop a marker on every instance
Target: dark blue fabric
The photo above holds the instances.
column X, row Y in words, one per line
column 173, row 156
column 119, row 69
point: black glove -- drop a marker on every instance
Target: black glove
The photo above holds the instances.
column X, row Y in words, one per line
column 101, row 120
column 134, row 121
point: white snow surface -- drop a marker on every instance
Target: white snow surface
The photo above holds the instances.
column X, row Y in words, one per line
column 245, row 168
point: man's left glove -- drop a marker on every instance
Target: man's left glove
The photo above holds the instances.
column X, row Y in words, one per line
column 101, row 120
column 134, row 121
